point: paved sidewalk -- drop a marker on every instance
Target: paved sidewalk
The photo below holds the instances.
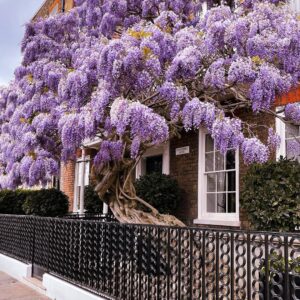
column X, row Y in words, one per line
column 11, row 289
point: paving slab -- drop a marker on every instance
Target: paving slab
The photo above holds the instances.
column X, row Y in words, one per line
column 12, row 289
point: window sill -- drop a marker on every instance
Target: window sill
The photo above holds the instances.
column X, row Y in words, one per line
column 234, row 223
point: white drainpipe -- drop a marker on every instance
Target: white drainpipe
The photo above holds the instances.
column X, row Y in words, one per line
column 105, row 209
column 82, row 185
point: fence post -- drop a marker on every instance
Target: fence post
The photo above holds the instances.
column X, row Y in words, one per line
column 50, row 228
column 248, row 266
column 33, row 247
column 203, row 265
column 232, row 281
column 286, row 291
column 267, row 288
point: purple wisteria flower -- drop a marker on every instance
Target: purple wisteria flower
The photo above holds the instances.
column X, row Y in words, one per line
column 137, row 73
column 274, row 139
column 254, row 151
column 292, row 112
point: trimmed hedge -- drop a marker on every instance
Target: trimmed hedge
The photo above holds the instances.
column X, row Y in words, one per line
column 11, row 201
column 92, row 202
column 159, row 190
column 271, row 195
column 45, row 202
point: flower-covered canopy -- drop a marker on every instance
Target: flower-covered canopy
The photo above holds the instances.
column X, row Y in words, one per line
column 136, row 73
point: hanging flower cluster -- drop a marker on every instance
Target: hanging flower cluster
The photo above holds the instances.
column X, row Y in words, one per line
column 134, row 73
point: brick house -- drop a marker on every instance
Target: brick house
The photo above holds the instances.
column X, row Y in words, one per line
column 211, row 181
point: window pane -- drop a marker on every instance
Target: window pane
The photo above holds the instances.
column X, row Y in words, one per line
column 231, row 203
column 293, row 149
column 211, row 182
column 78, row 197
column 87, row 173
column 292, row 130
column 80, row 172
column 209, row 162
column 231, row 181
column 211, row 203
column 230, row 160
column 209, row 143
column 219, row 161
column 154, row 164
column 221, row 183
column 221, row 203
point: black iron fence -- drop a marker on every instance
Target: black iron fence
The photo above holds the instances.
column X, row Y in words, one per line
column 92, row 216
column 153, row 262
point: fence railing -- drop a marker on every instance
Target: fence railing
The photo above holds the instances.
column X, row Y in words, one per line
column 143, row 262
column 92, row 216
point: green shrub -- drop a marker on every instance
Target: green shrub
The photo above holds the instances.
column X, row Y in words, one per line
column 92, row 202
column 46, row 202
column 159, row 190
column 271, row 195
column 11, row 201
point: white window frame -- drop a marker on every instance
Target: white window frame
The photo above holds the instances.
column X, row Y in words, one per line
column 280, row 128
column 163, row 150
column 226, row 219
column 79, row 165
column 295, row 6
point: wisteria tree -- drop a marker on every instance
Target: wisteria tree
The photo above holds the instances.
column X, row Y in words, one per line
column 136, row 74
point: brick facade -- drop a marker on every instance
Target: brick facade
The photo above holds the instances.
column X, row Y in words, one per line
column 184, row 168
column 67, row 180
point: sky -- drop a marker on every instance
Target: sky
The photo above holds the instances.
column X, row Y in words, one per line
column 13, row 17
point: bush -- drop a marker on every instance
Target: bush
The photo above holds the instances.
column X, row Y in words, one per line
column 92, row 202
column 46, row 202
column 271, row 195
column 159, row 190
column 11, row 201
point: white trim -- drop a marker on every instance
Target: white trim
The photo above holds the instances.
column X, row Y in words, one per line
column 80, row 163
column 83, row 164
column 58, row 289
column 14, row 268
column 92, row 143
column 52, row 287
column 75, row 200
column 230, row 219
column 280, row 130
column 163, row 150
column 295, row 5
column 217, row 222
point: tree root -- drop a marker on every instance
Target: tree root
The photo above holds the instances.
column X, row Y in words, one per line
column 115, row 187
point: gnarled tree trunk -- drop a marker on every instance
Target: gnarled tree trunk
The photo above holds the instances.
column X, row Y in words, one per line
column 114, row 185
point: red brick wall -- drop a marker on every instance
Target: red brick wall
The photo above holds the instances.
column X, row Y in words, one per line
column 185, row 169
column 68, row 176
column 68, row 180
